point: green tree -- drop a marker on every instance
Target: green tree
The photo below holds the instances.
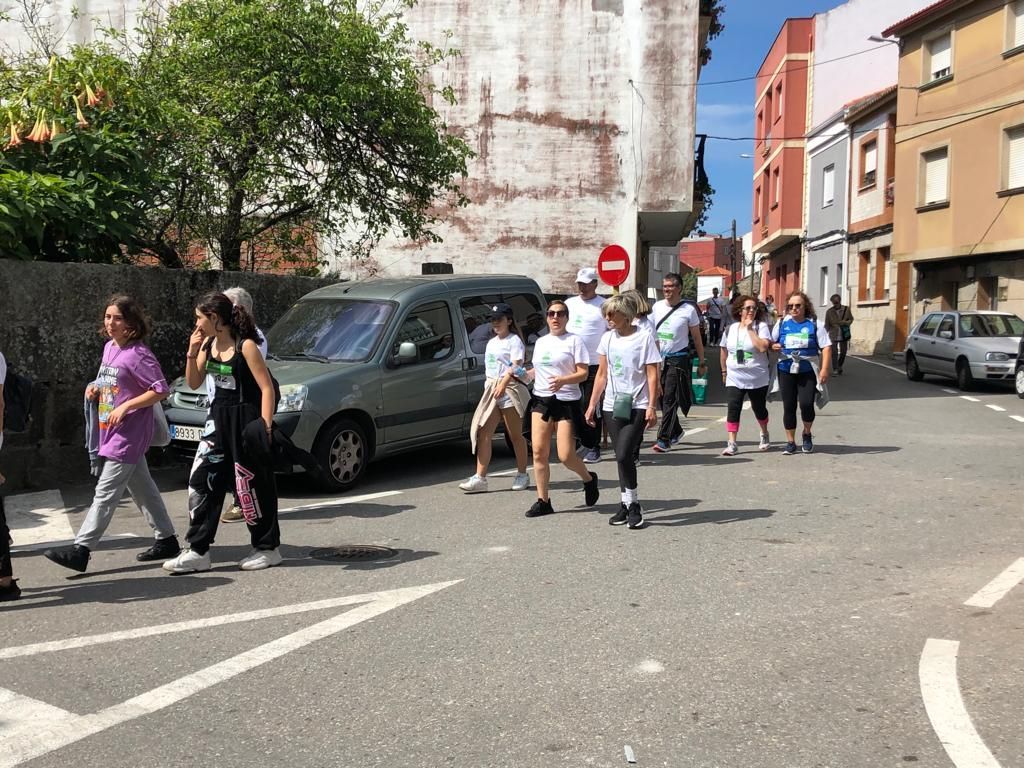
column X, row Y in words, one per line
column 292, row 117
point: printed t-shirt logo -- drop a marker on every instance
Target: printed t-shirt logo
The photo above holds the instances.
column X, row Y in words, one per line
column 107, row 384
column 800, row 340
column 617, row 366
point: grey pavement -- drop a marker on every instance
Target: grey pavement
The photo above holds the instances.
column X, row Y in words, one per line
column 773, row 613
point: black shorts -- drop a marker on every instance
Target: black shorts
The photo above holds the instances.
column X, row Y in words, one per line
column 553, row 409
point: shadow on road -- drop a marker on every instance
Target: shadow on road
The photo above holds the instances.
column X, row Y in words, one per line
column 117, row 591
column 715, row 516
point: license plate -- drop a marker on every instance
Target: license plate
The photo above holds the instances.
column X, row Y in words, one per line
column 186, row 434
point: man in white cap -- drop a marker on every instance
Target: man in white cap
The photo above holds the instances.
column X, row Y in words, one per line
column 587, row 322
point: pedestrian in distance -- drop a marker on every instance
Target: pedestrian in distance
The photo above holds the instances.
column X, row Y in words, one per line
column 717, row 310
column 745, row 369
column 838, row 320
column 627, row 379
column 675, row 322
column 9, row 589
column 560, row 364
column 801, row 341
column 235, row 448
column 587, row 322
column 127, row 388
column 505, row 398
column 241, row 297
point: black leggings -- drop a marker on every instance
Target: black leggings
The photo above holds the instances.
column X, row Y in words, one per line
column 5, row 544
column 758, row 404
column 802, row 387
column 626, row 438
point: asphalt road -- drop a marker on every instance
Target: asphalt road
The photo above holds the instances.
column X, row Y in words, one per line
column 777, row 611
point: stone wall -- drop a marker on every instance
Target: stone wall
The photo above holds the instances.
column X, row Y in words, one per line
column 50, row 316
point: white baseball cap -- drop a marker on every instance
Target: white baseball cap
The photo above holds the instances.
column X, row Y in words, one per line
column 586, row 275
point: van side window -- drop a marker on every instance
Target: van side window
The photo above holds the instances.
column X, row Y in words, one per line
column 429, row 327
column 476, row 310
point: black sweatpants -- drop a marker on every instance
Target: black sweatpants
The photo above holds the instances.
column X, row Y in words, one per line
column 5, row 544
column 626, row 438
column 839, row 350
column 675, row 396
column 734, row 402
column 222, row 463
column 714, row 330
column 797, row 387
column 590, row 437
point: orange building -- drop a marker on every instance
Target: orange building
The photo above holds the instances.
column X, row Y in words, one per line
column 780, row 123
column 959, row 188
column 705, row 252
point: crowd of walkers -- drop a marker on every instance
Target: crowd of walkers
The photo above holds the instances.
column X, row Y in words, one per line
column 599, row 374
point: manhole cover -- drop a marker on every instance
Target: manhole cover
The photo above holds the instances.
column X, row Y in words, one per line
column 354, row 552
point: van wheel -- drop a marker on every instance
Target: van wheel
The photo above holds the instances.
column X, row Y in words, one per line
column 964, row 379
column 341, row 451
column 913, row 370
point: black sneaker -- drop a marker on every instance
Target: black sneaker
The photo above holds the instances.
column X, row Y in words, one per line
column 75, row 557
column 619, row 518
column 591, row 493
column 11, row 592
column 808, row 444
column 162, row 549
column 635, row 516
column 540, row 507
column 789, row 450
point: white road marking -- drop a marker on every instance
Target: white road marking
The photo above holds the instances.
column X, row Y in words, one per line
column 650, row 667
column 996, row 589
column 875, row 362
column 970, row 399
column 17, row 546
column 996, row 408
column 944, row 704
column 508, row 472
column 337, row 502
column 951, row 392
column 53, row 728
column 38, row 518
column 1018, row 418
column 498, row 549
column 696, row 430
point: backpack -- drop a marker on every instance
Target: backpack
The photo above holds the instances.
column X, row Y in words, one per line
column 17, row 401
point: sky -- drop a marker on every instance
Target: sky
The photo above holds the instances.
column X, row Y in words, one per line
column 728, row 110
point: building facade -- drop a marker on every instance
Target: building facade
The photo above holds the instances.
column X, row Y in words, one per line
column 825, row 243
column 706, row 252
column 959, row 202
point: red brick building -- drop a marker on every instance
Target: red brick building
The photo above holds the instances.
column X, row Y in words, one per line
column 705, row 252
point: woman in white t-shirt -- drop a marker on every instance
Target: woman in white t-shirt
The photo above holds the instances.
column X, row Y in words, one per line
column 746, row 369
column 627, row 377
column 560, row 364
column 503, row 367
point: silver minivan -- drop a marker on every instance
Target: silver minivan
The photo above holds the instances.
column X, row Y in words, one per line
column 965, row 346
column 376, row 367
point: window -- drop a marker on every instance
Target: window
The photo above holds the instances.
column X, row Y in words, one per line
column 881, row 274
column 1015, row 25
column 1013, row 144
column 476, row 313
column 776, row 187
column 946, row 326
column 823, row 286
column 429, row 327
column 760, row 124
column 868, row 163
column 939, row 57
column 757, row 204
column 778, row 101
column 929, row 324
column 863, row 275
column 828, row 185
column 935, row 176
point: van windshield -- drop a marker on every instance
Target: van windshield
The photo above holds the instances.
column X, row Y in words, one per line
column 340, row 330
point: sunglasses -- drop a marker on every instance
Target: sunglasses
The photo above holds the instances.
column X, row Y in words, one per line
column 794, row 306
column 553, row 313
column 749, row 309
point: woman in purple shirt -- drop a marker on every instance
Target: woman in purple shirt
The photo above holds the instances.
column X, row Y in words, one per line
column 129, row 385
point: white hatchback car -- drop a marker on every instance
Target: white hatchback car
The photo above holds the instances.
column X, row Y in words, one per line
column 965, row 346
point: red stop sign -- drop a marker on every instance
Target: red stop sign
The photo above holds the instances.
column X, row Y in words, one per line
column 613, row 265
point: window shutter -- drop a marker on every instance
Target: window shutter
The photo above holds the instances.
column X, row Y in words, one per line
column 1018, row 24
column 1015, row 158
column 828, row 193
column 871, row 158
column 939, row 51
column 936, row 166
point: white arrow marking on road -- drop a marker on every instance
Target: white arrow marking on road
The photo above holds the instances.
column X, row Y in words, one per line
column 996, row 408
column 51, row 728
column 940, row 691
column 38, row 518
column 340, row 501
column 996, row 589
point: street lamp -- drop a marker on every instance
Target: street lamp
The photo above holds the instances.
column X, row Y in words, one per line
column 880, row 39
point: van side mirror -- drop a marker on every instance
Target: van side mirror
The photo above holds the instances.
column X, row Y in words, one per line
column 406, row 354
column 945, row 334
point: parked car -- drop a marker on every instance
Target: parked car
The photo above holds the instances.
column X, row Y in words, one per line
column 377, row 367
column 1018, row 377
column 965, row 346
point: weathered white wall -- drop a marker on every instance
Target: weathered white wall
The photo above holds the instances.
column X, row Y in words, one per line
column 843, row 31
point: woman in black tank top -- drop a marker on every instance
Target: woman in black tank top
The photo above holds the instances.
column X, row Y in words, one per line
column 235, row 449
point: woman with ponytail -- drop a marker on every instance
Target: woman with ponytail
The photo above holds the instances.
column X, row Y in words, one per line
column 224, row 344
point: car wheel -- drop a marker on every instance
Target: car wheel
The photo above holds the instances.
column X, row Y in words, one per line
column 1018, row 382
column 964, row 379
column 342, row 453
column 913, row 370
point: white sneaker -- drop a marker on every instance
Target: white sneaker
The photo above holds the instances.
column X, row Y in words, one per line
column 765, row 443
column 730, row 449
column 475, row 484
column 259, row 559
column 188, row 562
column 521, row 481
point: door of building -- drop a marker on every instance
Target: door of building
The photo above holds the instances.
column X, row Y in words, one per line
column 902, row 319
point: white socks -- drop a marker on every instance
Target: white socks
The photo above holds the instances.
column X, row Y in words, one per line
column 630, row 495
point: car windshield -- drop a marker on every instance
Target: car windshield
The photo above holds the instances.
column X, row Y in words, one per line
column 336, row 330
column 972, row 326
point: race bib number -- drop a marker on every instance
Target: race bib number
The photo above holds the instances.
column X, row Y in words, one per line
column 800, row 340
column 224, row 382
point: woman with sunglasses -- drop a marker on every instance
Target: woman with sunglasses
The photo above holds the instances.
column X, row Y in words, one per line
column 560, row 364
column 800, row 340
column 745, row 370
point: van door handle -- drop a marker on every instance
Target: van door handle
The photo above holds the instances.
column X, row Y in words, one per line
column 468, row 363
